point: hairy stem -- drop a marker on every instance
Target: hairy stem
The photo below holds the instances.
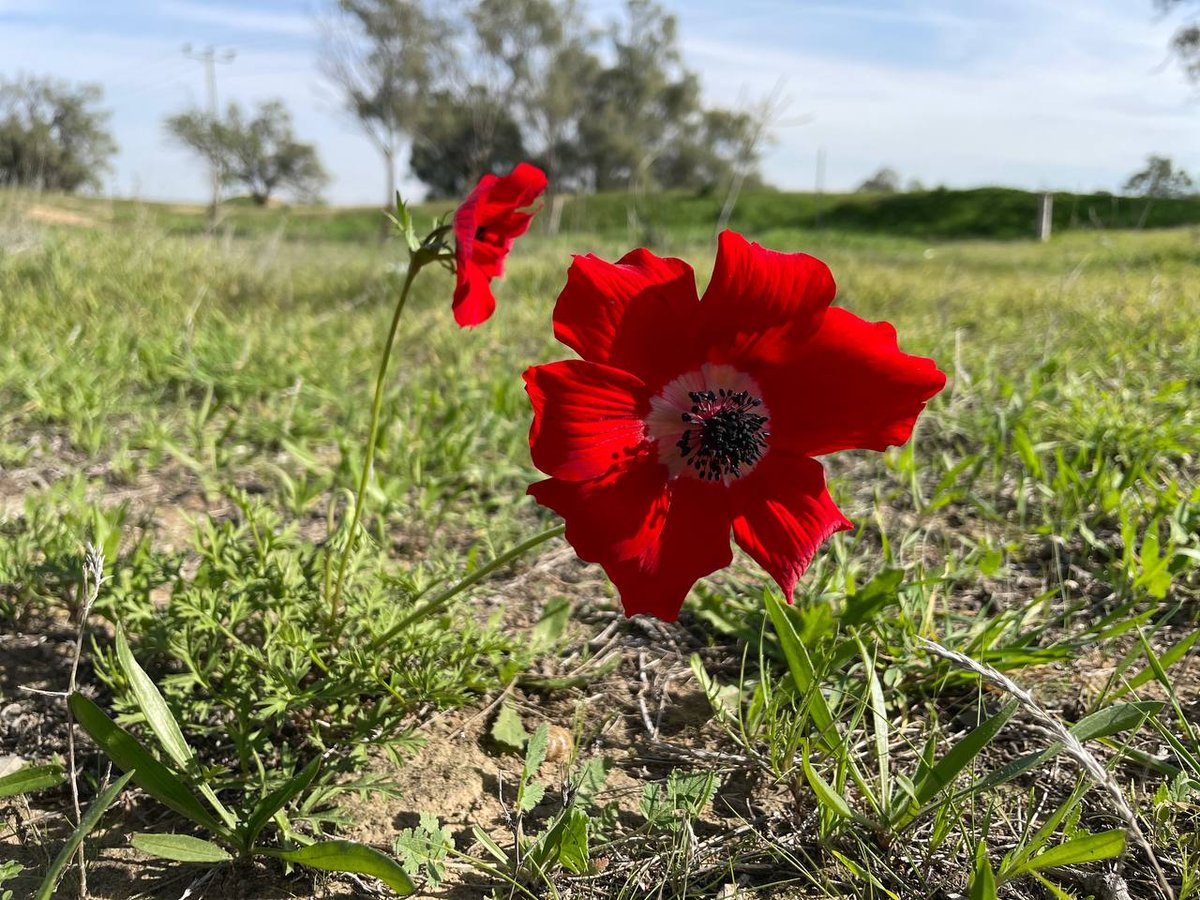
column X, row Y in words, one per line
column 415, row 263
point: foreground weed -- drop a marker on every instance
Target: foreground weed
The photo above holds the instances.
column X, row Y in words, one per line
column 249, row 663
column 172, row 785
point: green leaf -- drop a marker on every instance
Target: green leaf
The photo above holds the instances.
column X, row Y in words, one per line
column 153, row 706
column 573, row 851
column 942, row 773
column 801, row 669
column 879, row 592
column 148, row 773
column 535, row 752
column 161, row 721
column 1114, row 719
column 983, row 878
column 1083, row 849
column 277, row 800
column 531, row 795
column 91, row 818
column 553, row 623
column 404, row 224
column 179, row 847
column 425, row 846
column 1104, row 722
column 1024, row 447
column 530, row 792
column 348, row 856
column 489, row 845
column 32, row 778
column 508, row 731
column 826, row 795
column 590, row 778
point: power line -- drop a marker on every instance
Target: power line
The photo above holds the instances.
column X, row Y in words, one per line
column 210, row 57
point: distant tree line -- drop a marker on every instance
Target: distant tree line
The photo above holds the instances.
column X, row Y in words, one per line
column 597, row 108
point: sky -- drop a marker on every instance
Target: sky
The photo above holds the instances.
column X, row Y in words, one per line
column 1040, row 94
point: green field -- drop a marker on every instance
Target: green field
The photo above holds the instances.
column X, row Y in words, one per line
column 195, row 407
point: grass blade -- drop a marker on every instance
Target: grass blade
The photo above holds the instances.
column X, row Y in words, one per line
column 90, row 820
column 801, row 669
column 942, row 773
column 983, row 877
column 826, row 795
column 1173, row 654
column 153, row 706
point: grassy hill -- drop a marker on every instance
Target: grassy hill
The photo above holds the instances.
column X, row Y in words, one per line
column 997, row 213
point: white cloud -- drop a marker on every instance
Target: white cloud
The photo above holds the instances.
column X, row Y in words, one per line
column 1068, row 95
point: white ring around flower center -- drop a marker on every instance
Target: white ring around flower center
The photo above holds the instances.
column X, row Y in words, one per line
column 678, row 420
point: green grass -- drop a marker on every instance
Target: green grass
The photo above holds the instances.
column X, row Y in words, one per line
column 941, row 214
column 1045, row 521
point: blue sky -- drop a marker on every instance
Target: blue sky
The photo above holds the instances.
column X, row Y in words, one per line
column 1067, row 94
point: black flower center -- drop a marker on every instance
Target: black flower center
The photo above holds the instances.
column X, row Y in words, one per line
column 726, row 433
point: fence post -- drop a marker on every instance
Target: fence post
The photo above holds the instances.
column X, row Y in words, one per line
column 1045, row 216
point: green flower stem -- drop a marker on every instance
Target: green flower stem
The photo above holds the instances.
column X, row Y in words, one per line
column 439, row 602
column 418, row 260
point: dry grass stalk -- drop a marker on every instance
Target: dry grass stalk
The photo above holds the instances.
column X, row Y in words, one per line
column 1071, row 746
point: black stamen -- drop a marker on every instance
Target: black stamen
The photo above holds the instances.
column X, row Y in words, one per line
column 725, row 435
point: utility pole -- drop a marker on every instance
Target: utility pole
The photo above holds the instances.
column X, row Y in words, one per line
column 210, row 57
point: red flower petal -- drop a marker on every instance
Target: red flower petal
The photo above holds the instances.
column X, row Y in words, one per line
column 466, row 220
column 586, row 418
column 473, row 300
column 783, row 513
column 758, row 297
column 613, row 517
column 637, row 314
column 684, row 534
column 849, row 387
column 694, row 543
column 487, row 222
column 505, row 203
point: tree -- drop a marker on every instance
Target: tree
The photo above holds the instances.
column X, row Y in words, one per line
column 1185, row 43
column 643, row 123
column 53, row 135
column 541, row 65
column 885, row 181
column 387, row 57
column 460, row 139
column 1160, row 178
column 259, row 153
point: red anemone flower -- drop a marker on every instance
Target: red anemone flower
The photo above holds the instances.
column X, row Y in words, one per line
column 688, row 418
column 494, row 215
